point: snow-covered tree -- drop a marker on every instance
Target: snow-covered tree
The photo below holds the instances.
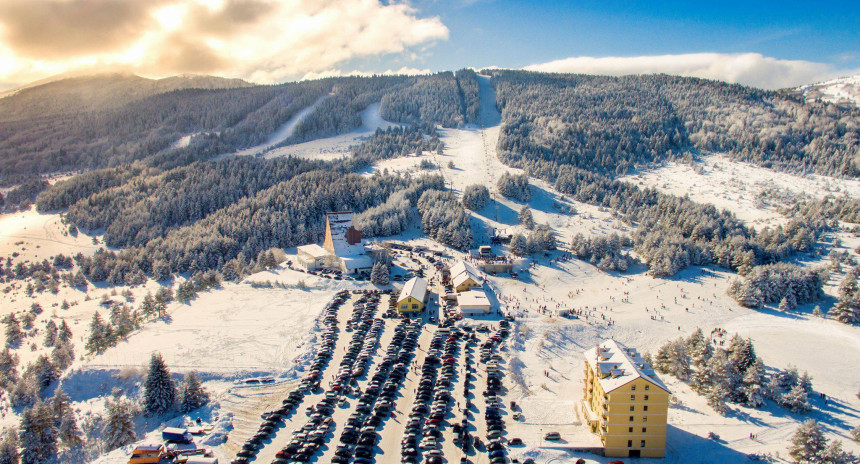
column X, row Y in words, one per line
column 100, row 334
column 717, row 397
column 37, row 434
column 519, row 245
column 45, row 371
column 193, row 395
column 526, row 218
column 65, row 332
column 51, row 332
column 159, row 391
column 8, row 367
column 70, row 434
column 796, row 400
column 808, row 443
column 9, row 447
column 753, row 390
column 62, row 355
column 14, row 334
column 119, row 424
column 379, row 274
column 475, row 197
column 855, row 433
column 788, row 302
column 60, row 405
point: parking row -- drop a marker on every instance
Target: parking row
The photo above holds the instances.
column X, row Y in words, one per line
column 359, row 437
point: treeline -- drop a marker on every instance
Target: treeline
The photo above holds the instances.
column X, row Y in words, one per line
column 734, row 374
column 788, row 284
column 608, row 125
column 287, row 214
column 553, row 126
column 397, row 213
column 467, row 88
column 475, row 197
column 444, row 219
column 225, row 118
column 538, row 240
column 606, row 252
column 515, row 186
column 151, row 203
column 398, row 141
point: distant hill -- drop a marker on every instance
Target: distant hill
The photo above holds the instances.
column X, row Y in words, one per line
column 844, row 90
column 66, row 95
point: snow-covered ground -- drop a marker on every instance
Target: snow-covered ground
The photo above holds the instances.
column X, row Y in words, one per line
column 336, row 147
column 237, row 330
column 753, row 193
column 283, row 132
column 841, row 90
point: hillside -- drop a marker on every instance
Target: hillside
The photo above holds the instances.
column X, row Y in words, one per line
column 639, row 209
column 97, row 93
column 844, row 91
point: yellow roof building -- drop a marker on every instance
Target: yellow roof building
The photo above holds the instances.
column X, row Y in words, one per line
column 624, row 401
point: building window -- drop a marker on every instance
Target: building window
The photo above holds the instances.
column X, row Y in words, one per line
column 646, row 397
column 642, row 444
column 646, row 408
column 631, row 418
column 633, row 388
column 644, row 429
column 647, row 387
column 630, row 443
column 630, row 430
column 415, row 306
column 645, row 419
column 632, row 408
column 632, row 397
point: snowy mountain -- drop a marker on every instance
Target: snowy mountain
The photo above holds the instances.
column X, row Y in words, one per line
column 841, row 90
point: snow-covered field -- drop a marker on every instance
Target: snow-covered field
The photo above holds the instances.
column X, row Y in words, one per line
column 336, row 147
column 752, row 193
column 841, row 90
column 237, row 330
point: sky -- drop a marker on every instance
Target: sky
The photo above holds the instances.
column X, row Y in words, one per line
column 768, row 44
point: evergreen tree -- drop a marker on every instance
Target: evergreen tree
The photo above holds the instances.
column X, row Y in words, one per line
column 45, row 371
column 65, row 332
column 475, row 197
column 9, row 447
column 753, row 391
column 808, row 443
column 788, row 302
column 855, row 433
column 379, row 274
column 519, row 245
column 160, row 271
column 717, row 397
column 846, row 311
column 50, row 333
column 62, row 355
column 159, row 394
column 796, row 400
column 8, row 368
column 99, row 330
column 14, row 334
column 526, row 218
column 70, row 434
column 193, row 395
column 119, row 424
column 61, row 405
column 186, row 291
column 37, row 434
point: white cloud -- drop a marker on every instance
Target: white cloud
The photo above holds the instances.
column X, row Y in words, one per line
column 745, row 68
column 259, row 40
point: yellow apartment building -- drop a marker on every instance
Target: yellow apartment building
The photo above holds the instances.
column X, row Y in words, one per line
column 624, row 401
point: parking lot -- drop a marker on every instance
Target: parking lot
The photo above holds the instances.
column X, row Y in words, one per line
column 387, row 389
